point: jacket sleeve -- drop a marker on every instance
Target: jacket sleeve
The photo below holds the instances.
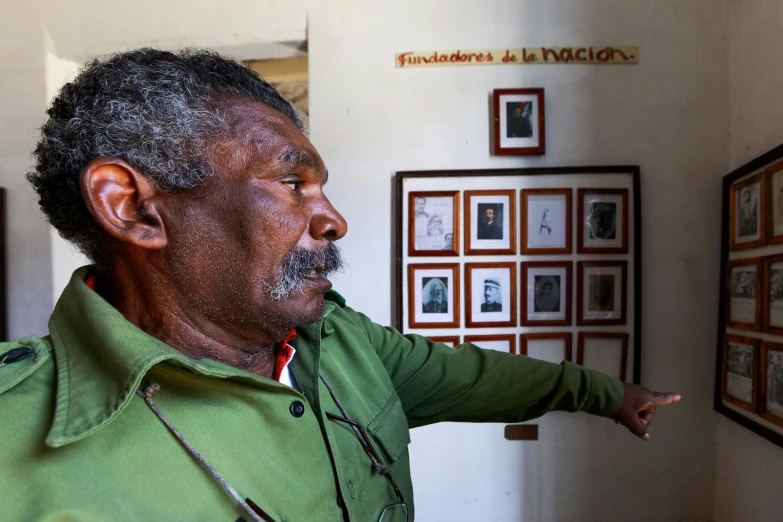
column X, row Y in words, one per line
column 436, row 383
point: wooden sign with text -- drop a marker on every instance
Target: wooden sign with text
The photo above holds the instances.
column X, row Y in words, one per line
column 525, row 55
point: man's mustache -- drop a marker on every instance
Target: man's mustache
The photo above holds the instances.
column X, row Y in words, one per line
column 300, row 263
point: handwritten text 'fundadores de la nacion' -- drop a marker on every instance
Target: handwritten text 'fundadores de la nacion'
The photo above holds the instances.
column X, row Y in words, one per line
column 525, row 55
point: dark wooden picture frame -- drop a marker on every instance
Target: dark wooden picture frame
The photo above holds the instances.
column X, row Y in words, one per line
column 525, row 267
column 477, row 339
column 754, row 261
column 766, row 294
column 446, row 339
column 776, row 169
column 761, row 164
column 583, row 225
column 455, row 227
column 525, row 194
column 622, row 336
column 763, row 385
column 470, row 301
column 754, row 343
column 499, row 113
column 476, row 250
column 580, row 293
column 627, row 176
column 566, row 337
column 453, row 292
column 762, row 221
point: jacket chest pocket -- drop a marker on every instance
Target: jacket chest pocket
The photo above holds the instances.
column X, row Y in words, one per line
column 390, row 429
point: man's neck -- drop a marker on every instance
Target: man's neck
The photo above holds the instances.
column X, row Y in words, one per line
column 150, row 302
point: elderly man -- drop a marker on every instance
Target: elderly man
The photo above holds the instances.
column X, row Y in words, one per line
column 201, row 368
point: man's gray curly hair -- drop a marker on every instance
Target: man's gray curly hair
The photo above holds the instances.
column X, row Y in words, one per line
column 159, row 111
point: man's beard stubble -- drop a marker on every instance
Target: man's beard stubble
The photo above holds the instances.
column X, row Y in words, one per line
column 300, row 263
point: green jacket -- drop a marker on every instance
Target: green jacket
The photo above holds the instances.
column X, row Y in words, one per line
column 78, row 443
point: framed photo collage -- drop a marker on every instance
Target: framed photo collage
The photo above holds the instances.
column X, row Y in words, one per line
column 749, row 369
column 536, row 262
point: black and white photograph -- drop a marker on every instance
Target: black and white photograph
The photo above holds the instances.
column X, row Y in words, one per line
column 491, row 294
column 434, row 217
column 489, row 222
column 739, row 371
column 604, row 216
column 771, row 405
column 547, row 293
column 519, row 121
column 434, row 295
column 773, row 294
column 776, row 199
column 546, row 221
column 748, row 213
column 602, row 291
column 743, row 293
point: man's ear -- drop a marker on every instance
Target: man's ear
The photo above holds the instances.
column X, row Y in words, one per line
column 123, row 202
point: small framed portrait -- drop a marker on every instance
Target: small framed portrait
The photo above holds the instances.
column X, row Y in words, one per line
column 550, row 346
column 774, row 174
column 519, row 121
column 546, row 297
column 433, row 295
column 740, row 371
column 501, row 343
column 491, row 299
column 771, row 404
column 604, row 221
column 489, row 222
column 606, row 352
column 743, row 288
column 601, row 293
column 433, row 223
column 747, row 213
column 772, row 295
column 452, row 341
column 546, row 221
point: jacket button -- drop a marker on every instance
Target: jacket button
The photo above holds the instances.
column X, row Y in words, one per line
column 15, row 355
column 296, row 409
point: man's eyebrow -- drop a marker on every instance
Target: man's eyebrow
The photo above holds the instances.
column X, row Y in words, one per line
column 299, row 157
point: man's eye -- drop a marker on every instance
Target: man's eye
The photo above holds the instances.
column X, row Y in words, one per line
column 293, row 185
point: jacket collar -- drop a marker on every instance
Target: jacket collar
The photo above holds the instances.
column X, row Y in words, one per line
column 102, row 358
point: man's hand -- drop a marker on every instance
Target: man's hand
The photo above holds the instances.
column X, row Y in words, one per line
column 639, row 406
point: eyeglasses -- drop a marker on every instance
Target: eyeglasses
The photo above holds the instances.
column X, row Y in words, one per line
column 397, row 512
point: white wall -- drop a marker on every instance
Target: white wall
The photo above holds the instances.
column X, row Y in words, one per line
column 749, row 475
column 669, row 114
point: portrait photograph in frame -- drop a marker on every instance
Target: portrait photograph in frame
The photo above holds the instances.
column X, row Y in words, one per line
column 740, row 371
column 774, row 185
column 433, row 223
column 772, row 295
column 491, row 290
column 553, row 347
column 546, row 293
column 490, row 222
column 747, row 213
column 606, row 352
column 502, row 342
column 546, row 221
column 771, row 383
column 452, row 341
column 743, row 293
column 518, row 121
column 601, row 290
column 603, row 221
column 433, row 295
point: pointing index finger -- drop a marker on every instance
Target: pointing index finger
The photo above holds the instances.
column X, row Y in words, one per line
column 662, row 399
